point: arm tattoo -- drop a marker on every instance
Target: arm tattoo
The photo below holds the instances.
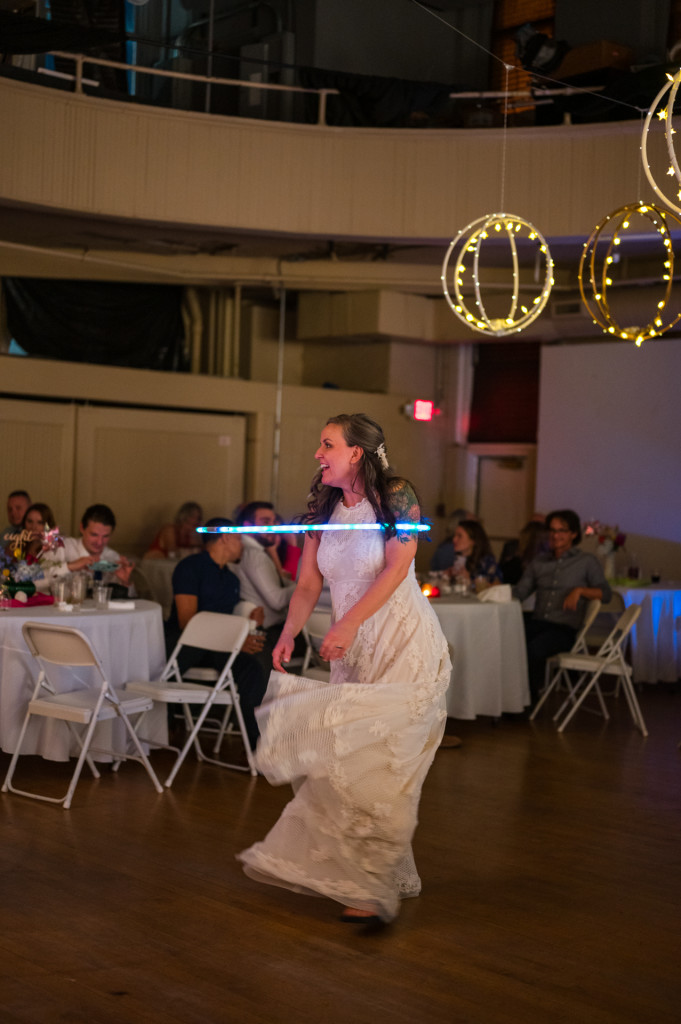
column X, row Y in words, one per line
column 405, row 507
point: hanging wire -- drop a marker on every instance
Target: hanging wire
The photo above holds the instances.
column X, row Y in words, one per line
column 640, row 160
column 508, row 68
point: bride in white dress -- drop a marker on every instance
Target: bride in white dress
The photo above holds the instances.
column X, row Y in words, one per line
column 357, row 749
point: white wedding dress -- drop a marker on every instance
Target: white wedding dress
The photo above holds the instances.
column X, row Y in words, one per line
column 357, row 749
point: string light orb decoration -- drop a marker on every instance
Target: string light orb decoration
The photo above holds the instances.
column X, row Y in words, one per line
column 665, row 115
column 602, row 251
column 525, row 305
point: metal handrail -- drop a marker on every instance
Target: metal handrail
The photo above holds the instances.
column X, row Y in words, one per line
column 537, row 95
column 79, row 59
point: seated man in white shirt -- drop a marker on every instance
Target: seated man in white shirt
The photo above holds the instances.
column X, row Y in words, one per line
column 96, row 527
column 261, row 582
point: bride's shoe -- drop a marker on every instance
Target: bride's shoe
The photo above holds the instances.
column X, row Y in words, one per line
column 352, row 916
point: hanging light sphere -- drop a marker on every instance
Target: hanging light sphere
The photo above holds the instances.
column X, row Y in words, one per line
column 603, row 249
column 664, row 114
column 525, row 302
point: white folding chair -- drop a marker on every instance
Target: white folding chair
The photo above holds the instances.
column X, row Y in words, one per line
column 579, row 647
column 66, row 647
column 605, row 621
column 314, row 631
column 210, row 631
column 609, row 660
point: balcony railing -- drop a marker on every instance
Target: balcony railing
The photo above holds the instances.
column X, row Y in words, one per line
column 209, row 82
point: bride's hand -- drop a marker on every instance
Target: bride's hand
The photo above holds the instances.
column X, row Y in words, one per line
column 337, row 641
column 282, row 651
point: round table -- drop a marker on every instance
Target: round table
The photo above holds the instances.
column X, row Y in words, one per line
column 489, row 660
column 656, row 636
column 130, row 645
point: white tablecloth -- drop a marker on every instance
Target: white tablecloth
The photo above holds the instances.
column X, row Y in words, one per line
column 130, row 646
column 489, row 661
column 656, row 636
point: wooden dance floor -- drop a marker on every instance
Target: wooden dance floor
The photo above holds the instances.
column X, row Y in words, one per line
column 551, row 887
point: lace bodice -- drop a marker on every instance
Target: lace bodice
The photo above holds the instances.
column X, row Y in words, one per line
column 352, row 554
column 350, row 561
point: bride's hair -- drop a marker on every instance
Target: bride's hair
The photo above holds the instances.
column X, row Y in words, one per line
column 373, row 472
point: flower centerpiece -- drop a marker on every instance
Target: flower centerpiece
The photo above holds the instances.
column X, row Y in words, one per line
column 19, row 569
column 610, row 540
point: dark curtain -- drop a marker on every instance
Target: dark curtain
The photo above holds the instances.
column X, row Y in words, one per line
column 136, row 325
column 505, row 401
column 367, row 100
column 20, row 33
column 94, row 27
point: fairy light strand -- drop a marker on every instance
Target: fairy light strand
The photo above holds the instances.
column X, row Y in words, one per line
column 664, row 114
column 599, row 279
column 471, row 239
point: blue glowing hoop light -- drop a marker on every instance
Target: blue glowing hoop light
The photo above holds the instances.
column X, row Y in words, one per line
column 309, row 527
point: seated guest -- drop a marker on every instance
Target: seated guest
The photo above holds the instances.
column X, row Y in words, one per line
column 260, row 576
column 49, row 556
column 473, row 554
column 444, row 555
column 518, row 554
column 177, row 539
column 286, row 555
column 204, row 583
column 17, row 504
column 96, row 527
column 564, row 579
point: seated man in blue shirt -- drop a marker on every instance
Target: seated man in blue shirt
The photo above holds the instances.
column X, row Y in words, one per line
column 564, row 579
column 204, row 583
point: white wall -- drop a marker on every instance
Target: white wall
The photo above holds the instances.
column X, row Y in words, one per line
column 609, row 437
column 106, row 159
column 416, row 450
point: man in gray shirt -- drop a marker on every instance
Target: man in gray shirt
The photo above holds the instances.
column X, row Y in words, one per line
column 563, row 580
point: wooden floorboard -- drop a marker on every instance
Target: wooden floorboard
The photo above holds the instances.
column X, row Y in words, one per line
column 550, row 866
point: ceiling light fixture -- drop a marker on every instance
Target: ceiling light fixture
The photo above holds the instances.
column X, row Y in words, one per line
column 664, row 114
column 525, row 304
column 599, row 258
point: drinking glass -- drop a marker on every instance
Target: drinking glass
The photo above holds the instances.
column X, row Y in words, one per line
column 60, row 590
column 102, row 595
column 78, row 588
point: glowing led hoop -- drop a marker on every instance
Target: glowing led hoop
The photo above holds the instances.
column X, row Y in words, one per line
column 665, row 115
column 309, row 527
column 475, row 234
column 599, row 275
